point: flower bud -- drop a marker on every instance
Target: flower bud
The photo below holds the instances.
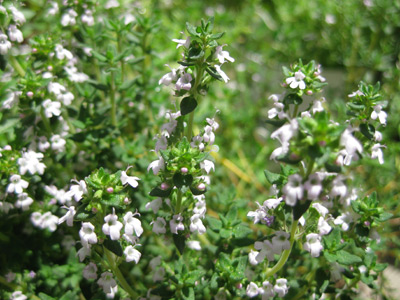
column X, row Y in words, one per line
column 367, row 223
column 184, row 170
column 50, row 68
column 110, row 190
column 201, row 187
column 126, row 200
column 309, row 92
column 34, row 50
column 29, row 94
column 164, row 186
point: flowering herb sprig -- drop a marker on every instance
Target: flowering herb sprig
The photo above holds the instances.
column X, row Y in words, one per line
column 110, row 227
column 314, row 205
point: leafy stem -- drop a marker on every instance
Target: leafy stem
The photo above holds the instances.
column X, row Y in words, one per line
column 117, row 272
column 285, row 254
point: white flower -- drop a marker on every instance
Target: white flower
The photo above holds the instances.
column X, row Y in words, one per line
column 252, row 290
column 131, row 180
column 74, row 76
column 15, row 34
column 221, row 73
column 277, row 110
column 323, row 226
column 356, row 93
column 209, row 136
column 194, row 245
column 132, row 254
column 176, row 224
column 17, row 184
column 297, row 81
column 132, row 224
column 207, row 165
column 90, row 271
column 267, row 290
column 281, row 287
column 111, row 4
column 379, row 113
column 78, row 190
column 185, row 43
column 112, row 226
column 54, row 8
column 253, row 257
column 51, row 108
column 17, row 295
column 18, row 16
column 168, row 78
column 223, row 55
column 24, row 201
column 154, row 205
column 272, row 203
column 338, row 188
column 5, row 45
column 184, row 82
column 69, row 216
column 36, row 219
column 320, row 208
column 258, row 214
column 280, row 241
column 352, row 147
column 293, row 190
column 344, row 219
column 83, row 252
column 87, row 234
column 57, row 143
column 107, row 282
column 5, row 207
column 62, row 53
column 87, row 18
column 69, row 18
column 377, row 152
column 159, row 226
column 197, row 142
column 30, row 162
column 43, row 144
column 196, row 224
column 266, row 249
column 157, row 165
column 49, row 221
column 313, row 244
column 313, row 186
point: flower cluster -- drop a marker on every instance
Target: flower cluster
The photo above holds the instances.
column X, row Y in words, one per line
column 312, row 185
column 100, row 200
column 14, row 19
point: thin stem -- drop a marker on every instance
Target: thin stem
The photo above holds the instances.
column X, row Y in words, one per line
column 117, row 272
column 194, row 94
column 178, row 202
column 285, row 254
column 112, row 98
column 189, row 132
column 10, row 285
column 17, row 67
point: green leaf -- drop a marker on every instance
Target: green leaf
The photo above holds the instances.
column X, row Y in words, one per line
column 213, row 72
column 286, row 72
column 242, row 231
column 384, row 216
column 113, row 246
column 128, row 84
column 346, row 258
column 188, row 104
column 216, row 36
column 188, row 293
column 273, row 178
column 214, row 223
column 332, row 239
column 356, row 106
column 193, row 276
column 231, row 216
column 179, row 241
column 380, row 267
column 157, row 192
column 181, row 180
column 9, row 124
column 300, row 208
column 225, row 233
column 43, row 296
column 191, row 29
column 99, row 56
column 195, row 191
column 292, row 99
column 368, row 130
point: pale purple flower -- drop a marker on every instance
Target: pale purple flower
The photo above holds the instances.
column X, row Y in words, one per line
column 90, row 271
column 154, row 205
column 157, row 165
column 107, row 282
column 313, row 186
column 280, row 241
column 5, row 45
column 159, row 225
column 168, row 78
column 183, row 82
column 194, row 245
column 323, row 227
column 223, row 55
column 253, row 290
column 207, row 165
column 266, row 249
column 15, row 34
column 352, row 147
column 84, row 252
